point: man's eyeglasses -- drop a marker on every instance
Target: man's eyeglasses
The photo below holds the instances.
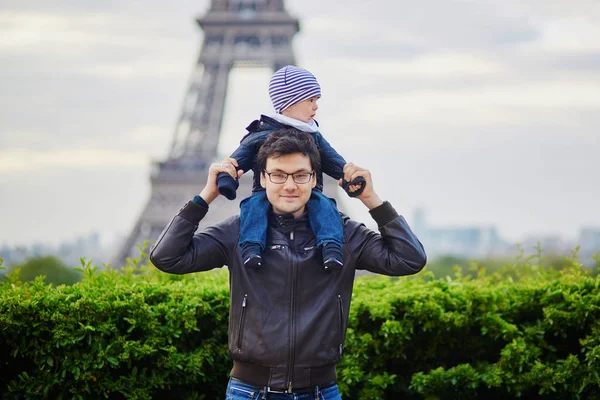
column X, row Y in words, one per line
column 280, row 177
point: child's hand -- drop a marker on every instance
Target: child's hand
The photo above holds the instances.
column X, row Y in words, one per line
column 211, row 190
column 354, row 188
column 368, row 195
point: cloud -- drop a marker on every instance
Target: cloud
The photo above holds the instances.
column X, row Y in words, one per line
column 432, row 25
column 28, row 31
column 437, row 66
column 147, row 140
column 568, row 35
column 76, row 40
column 460, row 97
column 21, row 160
column 136, row 70
column 560, row 95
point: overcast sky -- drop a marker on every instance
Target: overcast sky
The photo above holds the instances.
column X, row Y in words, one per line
column 482, row 113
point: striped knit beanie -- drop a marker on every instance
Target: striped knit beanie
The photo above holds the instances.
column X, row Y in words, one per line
column 291, row 85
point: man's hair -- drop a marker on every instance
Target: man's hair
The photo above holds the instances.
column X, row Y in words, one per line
column 289, row 141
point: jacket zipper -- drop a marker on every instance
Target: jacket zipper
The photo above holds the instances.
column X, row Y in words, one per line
column 292, row 316
column 341, row 325
column 242, row 318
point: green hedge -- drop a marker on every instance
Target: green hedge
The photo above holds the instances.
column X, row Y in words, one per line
column 524, row 331
column 474, row 339
column 115, row 335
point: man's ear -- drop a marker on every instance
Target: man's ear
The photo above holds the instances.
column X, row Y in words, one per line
column 263, row 182
column 313, row 181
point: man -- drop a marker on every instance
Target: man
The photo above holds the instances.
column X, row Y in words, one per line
column 288, row 317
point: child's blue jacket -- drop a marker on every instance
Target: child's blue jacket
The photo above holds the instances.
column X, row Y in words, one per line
column 246, row 155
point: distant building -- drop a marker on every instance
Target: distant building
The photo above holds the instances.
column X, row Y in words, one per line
column 484, row 241
column 468, row 241
column 589, row 240
column 88, row 246
column 550, row 244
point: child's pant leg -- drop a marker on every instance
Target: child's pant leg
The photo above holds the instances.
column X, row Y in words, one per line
column 325, row 219
column 254, row 211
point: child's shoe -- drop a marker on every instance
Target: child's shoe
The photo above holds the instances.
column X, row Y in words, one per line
column 251, row 254
column 333, row 258
column 227, row 185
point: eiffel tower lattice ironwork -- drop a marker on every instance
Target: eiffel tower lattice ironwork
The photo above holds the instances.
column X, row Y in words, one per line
column 236, row 33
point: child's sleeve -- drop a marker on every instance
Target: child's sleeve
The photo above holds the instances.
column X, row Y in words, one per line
column 332, row 163
column 226, row 183
column 244, row 155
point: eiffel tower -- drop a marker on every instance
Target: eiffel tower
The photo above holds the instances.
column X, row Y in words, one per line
column 237, row 33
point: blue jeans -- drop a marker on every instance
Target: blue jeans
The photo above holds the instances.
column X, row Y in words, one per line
column 323, row 217
column 238, row 390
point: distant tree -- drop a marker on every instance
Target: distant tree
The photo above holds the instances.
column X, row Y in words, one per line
column 444, row 265
column 55, row 271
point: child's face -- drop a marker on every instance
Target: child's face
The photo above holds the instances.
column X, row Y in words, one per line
column 303, row 111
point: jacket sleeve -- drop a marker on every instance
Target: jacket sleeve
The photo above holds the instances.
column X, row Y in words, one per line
column 332, row 163
column 246, row 154
column 394, row 251
column 179, row 251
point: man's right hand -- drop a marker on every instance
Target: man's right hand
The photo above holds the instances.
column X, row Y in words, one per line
column 211, row 190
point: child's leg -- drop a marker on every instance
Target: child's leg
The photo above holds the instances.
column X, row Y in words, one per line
column 326, row 223
column 253, row 228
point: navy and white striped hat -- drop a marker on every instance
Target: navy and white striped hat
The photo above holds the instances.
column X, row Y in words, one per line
column 291, row 85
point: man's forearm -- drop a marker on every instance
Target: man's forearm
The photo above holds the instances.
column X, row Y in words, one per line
column 207, row 196
column 372, row 201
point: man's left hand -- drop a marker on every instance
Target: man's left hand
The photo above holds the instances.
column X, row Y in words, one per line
column 369, row 197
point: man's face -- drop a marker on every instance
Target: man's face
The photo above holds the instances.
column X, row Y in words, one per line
column 303, row 111
column 288, row 197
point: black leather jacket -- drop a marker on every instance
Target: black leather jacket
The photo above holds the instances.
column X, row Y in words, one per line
column 288, row 318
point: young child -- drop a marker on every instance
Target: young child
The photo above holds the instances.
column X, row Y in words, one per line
column 294, row 93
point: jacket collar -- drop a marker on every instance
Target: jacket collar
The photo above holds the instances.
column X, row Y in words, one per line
column 286, row 222
column 267, row 123
column 311, row 127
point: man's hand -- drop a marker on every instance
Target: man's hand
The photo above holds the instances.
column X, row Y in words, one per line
column 368, row 196
column 211, row 191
